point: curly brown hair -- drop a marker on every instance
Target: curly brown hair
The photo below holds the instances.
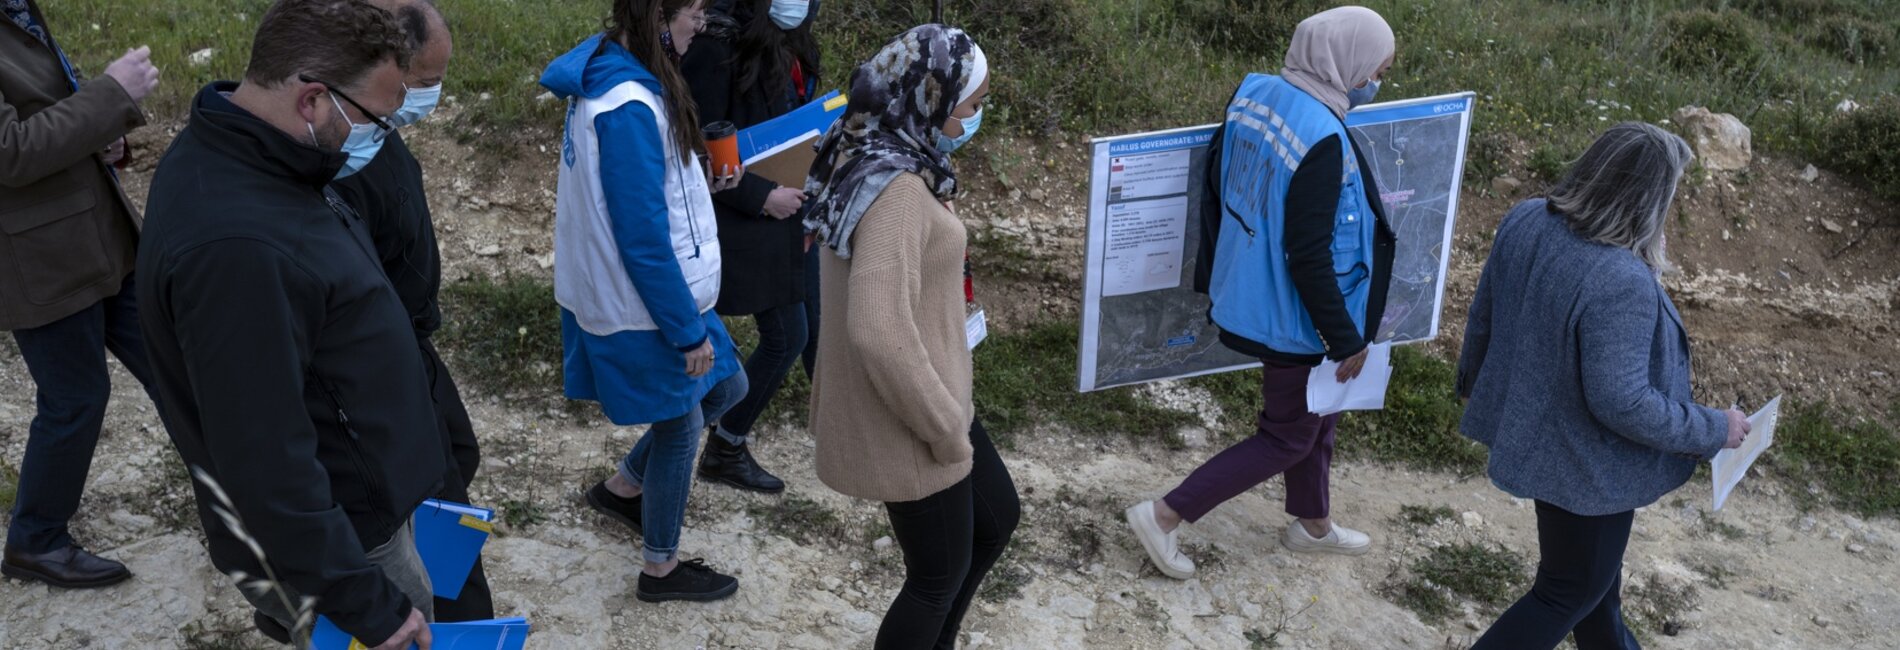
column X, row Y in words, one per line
column 338, row 41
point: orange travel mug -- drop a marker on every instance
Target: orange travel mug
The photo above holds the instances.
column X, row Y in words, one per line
column 722, row 145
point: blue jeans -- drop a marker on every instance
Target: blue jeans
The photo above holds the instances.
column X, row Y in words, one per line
column 67, row 359
column 1578, row 587
column 665, row 455
column 781, row 337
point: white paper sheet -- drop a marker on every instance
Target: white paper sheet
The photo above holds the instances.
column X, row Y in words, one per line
column 1326, row 396
column 1730, row 465
column 1146, row 242
column 976, row 328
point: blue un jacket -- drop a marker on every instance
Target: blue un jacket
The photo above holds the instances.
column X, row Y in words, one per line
column 1301, row 254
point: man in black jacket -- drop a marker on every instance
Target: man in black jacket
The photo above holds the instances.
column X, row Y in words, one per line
column 388, row 193
column 286, row 363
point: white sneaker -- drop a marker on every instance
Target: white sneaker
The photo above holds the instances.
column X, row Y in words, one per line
column 1161, row 546
column 1340, row 540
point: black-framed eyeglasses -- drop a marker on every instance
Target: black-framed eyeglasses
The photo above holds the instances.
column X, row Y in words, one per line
column 383, row 127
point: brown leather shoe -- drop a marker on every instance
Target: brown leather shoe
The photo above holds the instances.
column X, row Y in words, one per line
column 70, row 568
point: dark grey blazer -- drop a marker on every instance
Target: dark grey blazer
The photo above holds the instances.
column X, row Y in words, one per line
column 1577, row 367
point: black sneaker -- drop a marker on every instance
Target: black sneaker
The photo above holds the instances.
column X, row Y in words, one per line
column 626, row 511
column 734, row 466
column 692, row 581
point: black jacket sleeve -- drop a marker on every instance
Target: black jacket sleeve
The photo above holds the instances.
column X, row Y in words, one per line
column 246, row 316
column 1312, row 201
column 708, row 72
column 1211, row 214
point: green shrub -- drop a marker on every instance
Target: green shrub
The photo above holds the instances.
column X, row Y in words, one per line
column 1245, row 27
column 1419, row 425
column 1855, row 40
column 1855, row 458
column 1700, row 41
column 1865, row 145
column 1548, row 163
column 505, row 335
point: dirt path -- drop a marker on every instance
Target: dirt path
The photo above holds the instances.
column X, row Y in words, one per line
column 1771, row 308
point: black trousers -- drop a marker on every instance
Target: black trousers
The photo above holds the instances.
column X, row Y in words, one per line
column 476, row 602
column 67, row 359
column 1578, row 587
column 950, row 539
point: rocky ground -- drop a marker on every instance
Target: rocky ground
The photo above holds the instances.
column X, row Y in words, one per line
column 1773, row 307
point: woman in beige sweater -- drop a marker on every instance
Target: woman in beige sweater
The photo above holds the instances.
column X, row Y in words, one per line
column 891, row 394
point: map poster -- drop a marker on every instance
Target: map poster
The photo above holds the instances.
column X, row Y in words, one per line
column 1142, row 321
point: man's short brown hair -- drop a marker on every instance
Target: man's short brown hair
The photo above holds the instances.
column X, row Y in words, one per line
column 335, row 41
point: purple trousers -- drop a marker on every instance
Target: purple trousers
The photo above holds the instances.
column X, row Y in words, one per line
column 1287, row 440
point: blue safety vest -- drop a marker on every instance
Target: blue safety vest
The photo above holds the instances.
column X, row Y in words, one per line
column 1270, row 125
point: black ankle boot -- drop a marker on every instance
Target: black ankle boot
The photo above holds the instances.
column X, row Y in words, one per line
column 733, row 465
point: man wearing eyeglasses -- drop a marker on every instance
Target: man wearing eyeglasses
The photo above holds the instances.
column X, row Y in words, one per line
column 388, row 192
column 286, row 362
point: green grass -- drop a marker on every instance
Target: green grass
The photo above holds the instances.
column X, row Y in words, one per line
column 1855, row 457
column 505, row 335
column 521, row 514
column 1024, row 378
column 804, row 520
column 1492, row 576
column 1423, row 516
column 1101, row 67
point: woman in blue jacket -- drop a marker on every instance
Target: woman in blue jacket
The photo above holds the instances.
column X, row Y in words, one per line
column 637, row 272
column 1576, row 366
column 1301, row 260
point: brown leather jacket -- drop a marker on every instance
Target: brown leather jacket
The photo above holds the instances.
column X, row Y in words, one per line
column 67, row 232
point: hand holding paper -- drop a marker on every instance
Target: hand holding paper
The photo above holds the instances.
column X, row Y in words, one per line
column 1326, row 395
column 1730, row 465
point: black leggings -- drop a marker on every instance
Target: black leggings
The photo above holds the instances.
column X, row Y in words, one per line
column 1578, row 587
column 950, row 541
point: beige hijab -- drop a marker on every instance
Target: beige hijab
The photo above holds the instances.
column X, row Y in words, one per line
column 1335, row 50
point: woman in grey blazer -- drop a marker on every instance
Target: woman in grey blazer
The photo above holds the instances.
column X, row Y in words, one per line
column 1576, row 367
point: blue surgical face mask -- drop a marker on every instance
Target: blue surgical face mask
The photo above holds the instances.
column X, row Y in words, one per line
column 789, row 14
column 970, row 124
column 1363, row 94
column 364, row 141
column 418, row 104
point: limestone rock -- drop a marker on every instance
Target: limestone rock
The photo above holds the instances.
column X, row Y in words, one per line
column 1506, row 186
column 1721, row 142
column 202, row 58
column 1809, row 174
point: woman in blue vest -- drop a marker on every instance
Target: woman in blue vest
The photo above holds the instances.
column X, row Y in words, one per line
column 758, row 60
column 1302, row 257
column 1577, row 368
column 637, row 272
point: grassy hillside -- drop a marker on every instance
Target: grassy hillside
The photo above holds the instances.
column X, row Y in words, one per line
column 1549, row 73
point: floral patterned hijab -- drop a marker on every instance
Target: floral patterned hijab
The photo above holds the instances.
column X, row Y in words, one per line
column 900, row 100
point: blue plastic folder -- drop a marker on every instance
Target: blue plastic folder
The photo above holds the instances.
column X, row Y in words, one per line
column 768, row 138
column 450, row 537
column 497, row 634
